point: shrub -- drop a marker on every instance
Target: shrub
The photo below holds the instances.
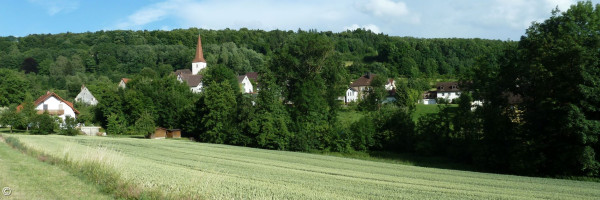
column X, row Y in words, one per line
column 69, row 126
column 43, row 124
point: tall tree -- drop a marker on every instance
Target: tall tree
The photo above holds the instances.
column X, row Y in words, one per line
column 560, row 83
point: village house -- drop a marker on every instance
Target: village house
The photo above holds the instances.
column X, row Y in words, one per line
column 448, row 91
column 86, row 97
column 360, row 86
column 123, row 83
column 54, row 105
column 245, row 84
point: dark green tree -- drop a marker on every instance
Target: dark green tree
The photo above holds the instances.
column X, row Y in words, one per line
column 559, row 79
column 219, row 106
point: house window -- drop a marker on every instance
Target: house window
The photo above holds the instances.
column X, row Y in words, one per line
column 45, row 107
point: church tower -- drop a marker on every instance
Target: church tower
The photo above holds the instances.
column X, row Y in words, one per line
column 198, row 63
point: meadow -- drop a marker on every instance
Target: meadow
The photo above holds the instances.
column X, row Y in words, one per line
column 213, row 171
column 29, row 178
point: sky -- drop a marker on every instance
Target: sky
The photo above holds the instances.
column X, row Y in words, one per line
column 489, row 19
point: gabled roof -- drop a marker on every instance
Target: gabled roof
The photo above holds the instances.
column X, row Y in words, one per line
column 363, row 80
column 241, row 78
column 192, row 80
column 183, row 71
column 125, row 80
column 199, row 55
column 48, row 95
column 252, row 75
column 86, row 96
column 447, row 87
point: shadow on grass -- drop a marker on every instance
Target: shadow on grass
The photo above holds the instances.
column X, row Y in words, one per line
column 7, row 130
column 422, row 161
column 406, row 159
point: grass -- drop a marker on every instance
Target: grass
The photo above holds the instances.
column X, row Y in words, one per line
column 422, row 109
column 30, row 179
column 213, row 171
column 350, row 116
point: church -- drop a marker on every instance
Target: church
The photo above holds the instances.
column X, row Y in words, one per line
column 191, row 77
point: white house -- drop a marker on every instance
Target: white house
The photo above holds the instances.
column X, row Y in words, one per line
column 245, row 84
column 351, row 95
column 390, row 85
column 448, row 90
column 85, row 96
column 54, row 105
column 123, row 83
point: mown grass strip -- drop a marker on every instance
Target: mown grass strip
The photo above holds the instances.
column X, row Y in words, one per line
column 108, row 180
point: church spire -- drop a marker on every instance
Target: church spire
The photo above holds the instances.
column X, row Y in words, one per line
column 199, row 55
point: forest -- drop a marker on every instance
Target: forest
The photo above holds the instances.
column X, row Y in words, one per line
column 552, row 130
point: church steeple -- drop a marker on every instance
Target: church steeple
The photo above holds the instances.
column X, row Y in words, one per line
column 199, row 55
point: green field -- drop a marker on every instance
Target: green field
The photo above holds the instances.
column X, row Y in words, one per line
column 215, row 171
column 29, row 178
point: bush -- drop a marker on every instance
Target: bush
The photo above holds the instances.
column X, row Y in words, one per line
column 116, row 124
column 43, row 124
column 69, row 126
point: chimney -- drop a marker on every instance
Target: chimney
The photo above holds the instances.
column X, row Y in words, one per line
column 48, row 92
column 199, row 55
column 368, row 75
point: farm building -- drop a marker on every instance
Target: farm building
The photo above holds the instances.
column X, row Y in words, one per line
column 159, row 133
column 429, row 97
column 173, row 133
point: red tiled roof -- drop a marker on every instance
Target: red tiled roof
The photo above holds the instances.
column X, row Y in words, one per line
column 125, row 80
column 48, row 95
column 199, row 55
column 363, row 80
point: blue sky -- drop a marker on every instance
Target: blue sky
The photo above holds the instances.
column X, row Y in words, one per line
column 491, row 19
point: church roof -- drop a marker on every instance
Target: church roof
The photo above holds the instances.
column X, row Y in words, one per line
column 192, row 80
column 183, row 71
column 199, row 55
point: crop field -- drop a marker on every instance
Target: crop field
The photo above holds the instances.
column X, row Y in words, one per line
column 214, row 171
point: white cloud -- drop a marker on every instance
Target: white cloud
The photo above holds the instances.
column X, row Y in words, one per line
column 152, row 13
column 563, row 5
column 257, row 14
column 388, row 10
column 384, row 8
column 371, row 27
column 56, row 6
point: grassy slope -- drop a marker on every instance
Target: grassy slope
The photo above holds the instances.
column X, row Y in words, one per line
column 31, row 179
column 351, row 116
column 225, row 172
